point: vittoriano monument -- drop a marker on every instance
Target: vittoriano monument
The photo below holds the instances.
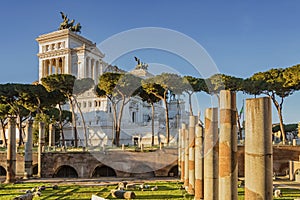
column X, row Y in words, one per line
column 67, row 24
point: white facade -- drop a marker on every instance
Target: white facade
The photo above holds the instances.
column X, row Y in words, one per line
column 69, row 53
column 65, row 52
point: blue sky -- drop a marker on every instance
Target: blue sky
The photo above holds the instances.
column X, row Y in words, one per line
column 242, row 37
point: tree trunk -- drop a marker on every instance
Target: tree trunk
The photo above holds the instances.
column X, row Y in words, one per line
column 3, row 133
column 239, row 125
column 152, row 124
column 83, row 123
column 74, row 123
column 115, row 128
column 20, row 131
column 167, row 122
column 190, row 103
column 279, row 112
column 61, row 126
column 119, row 122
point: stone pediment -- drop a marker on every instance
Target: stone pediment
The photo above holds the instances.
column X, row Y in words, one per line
column 92, row 49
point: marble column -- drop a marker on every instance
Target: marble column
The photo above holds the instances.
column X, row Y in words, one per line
column 11, row 151
column 258, row 149
column 56, row 65
column 63, row 65
column 28, row 151
column 183, row 138
column 50, row 66
column 186, row 159
column 43, row 69
column 228, row 171
column 41, row 147
column 179, row 152
column 199, row 163
column 51, row 135
column 93, row 69
column 211, row 157
column 192, row 123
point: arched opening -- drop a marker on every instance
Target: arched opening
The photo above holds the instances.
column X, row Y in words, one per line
column 2, row 171
column 103, row 171
column 35, row 169
column 65, row 171
column 173, row 171
column 142, row 171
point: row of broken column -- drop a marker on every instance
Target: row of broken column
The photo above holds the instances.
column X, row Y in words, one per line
column 11, row 149
column 207, row 157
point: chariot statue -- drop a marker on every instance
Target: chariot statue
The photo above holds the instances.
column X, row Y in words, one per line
column 140, row 65
column 67, row 24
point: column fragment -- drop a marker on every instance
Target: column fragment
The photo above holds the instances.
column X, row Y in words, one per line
column 199, row 163
column 211, row 158
column 258, row 149
column 11, row 151
column 228, row 172
column 28, row 151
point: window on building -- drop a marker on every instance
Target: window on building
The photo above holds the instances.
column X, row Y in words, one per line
column 90, row 104
column 84, row 104
column 95, row 103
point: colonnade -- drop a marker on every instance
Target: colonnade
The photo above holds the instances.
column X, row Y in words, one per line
column 92, row 69
column 11, row 149
column 53, row 66
column 89, row 68
column 210, row 153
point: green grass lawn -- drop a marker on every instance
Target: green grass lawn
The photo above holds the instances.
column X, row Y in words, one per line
column 166, row 190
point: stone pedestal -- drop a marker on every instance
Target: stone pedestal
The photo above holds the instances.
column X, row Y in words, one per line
column 258, row 149
column 228, row 171
column 211, row 158
column 11, row 151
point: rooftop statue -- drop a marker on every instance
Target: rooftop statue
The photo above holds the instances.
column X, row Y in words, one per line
column 140, row 65
column 69, row 25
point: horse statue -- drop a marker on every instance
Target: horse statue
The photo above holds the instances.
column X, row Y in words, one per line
column 76, row 28
column 67, row 24
column 64, row 24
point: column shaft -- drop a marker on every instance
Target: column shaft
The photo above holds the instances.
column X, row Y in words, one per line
column 192, row 122
column 199, row 163
column 63, row 65
column 211, row 158
column 186, row 159
column 11, row 151
column 50, row 66
column 179, row 152
column 228, row 176
column 40, row 147
column 51, row 135
column 258, row 149
column 56, row 65
column 183, row 136
column 28, row 151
